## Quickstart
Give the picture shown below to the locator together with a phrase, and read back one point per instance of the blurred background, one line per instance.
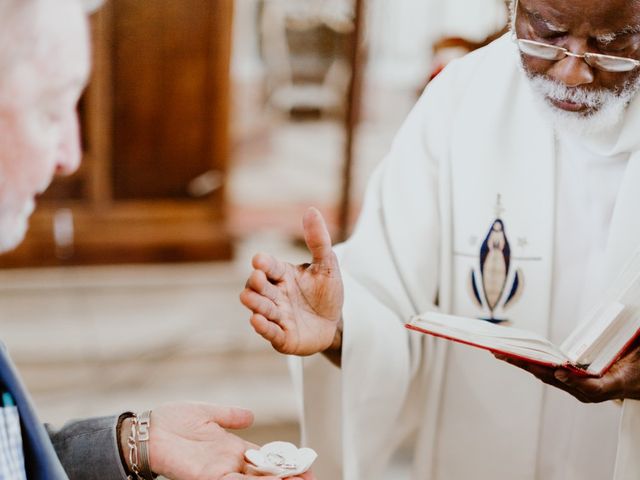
(209, 127)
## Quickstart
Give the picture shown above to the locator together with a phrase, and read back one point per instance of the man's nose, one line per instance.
(69, 150)
(573, 71)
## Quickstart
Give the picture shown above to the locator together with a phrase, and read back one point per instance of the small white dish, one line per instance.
(280, 459)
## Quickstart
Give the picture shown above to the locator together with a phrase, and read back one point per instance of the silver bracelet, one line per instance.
(138, 443)
(144, 427)
(133, 449)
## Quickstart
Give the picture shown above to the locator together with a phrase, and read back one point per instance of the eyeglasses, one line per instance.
(607, 63)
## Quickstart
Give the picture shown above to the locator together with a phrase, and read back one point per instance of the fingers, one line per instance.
(270, 331)
(597, 389)
(260, 304)
(306, 476)
(249, 476)
(542, 373)
(545, 374)
(587, 390)
(272, 267)
(241, 476)
(259, 283)
(316, 236)
(229, 417)
(259, 296)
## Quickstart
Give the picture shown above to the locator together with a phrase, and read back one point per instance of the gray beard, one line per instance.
(13, 226)
(608, 107)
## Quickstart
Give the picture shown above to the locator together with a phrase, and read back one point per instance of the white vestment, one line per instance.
(587, 185)
(474, 149)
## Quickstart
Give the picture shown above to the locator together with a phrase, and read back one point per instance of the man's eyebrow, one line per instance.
(610, 37)
(547, 23)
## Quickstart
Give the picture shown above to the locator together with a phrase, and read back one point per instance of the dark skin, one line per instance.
(620, 382)
(581, 26)
(298, 308)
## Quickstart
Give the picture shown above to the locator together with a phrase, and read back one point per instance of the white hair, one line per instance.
(17, 39)
(20, 23)
(8, 6)
(91, 6)
(512, 14)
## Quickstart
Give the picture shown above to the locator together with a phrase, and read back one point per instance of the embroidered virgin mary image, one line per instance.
(492, 287)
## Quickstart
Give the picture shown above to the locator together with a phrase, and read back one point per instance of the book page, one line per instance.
(497, 338)
(606, 330)
(616, 342)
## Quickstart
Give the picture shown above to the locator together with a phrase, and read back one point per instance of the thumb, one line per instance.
(229, 417)
(316, 236)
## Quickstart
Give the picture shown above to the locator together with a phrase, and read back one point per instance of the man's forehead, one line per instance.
(610, 16)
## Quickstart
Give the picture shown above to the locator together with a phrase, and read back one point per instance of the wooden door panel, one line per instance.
(163, 99)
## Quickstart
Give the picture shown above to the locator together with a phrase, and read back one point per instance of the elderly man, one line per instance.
(44, 66)
(537, 134)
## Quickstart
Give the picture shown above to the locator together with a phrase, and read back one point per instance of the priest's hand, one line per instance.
(621, 381)
(188, 441)
(297, 308)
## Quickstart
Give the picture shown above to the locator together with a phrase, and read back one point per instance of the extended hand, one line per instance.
(621, 381)
(297, 308)
(188, 441)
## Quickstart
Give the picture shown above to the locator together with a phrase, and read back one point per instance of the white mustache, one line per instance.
(581, 96)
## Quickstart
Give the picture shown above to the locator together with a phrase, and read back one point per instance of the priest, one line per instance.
(510, 195)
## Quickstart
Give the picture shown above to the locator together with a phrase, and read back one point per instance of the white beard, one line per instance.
(14, 225)
(608, 106)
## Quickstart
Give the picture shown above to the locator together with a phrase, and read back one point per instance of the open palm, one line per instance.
(189, 441)
(297, 307)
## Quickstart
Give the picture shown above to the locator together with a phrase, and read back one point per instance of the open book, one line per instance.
(590, 349)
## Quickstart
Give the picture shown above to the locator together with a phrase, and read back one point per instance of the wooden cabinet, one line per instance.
(156, 138)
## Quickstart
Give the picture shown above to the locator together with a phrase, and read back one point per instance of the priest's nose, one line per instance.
(572, 72)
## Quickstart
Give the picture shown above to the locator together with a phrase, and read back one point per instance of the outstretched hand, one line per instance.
(188, 441)
(621, 381)
(297, 308)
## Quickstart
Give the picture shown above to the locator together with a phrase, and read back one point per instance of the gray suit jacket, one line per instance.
(81, 450)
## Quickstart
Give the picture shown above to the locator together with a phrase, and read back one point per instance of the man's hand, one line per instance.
(298, 308)
(621, 381)
(188, 441)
